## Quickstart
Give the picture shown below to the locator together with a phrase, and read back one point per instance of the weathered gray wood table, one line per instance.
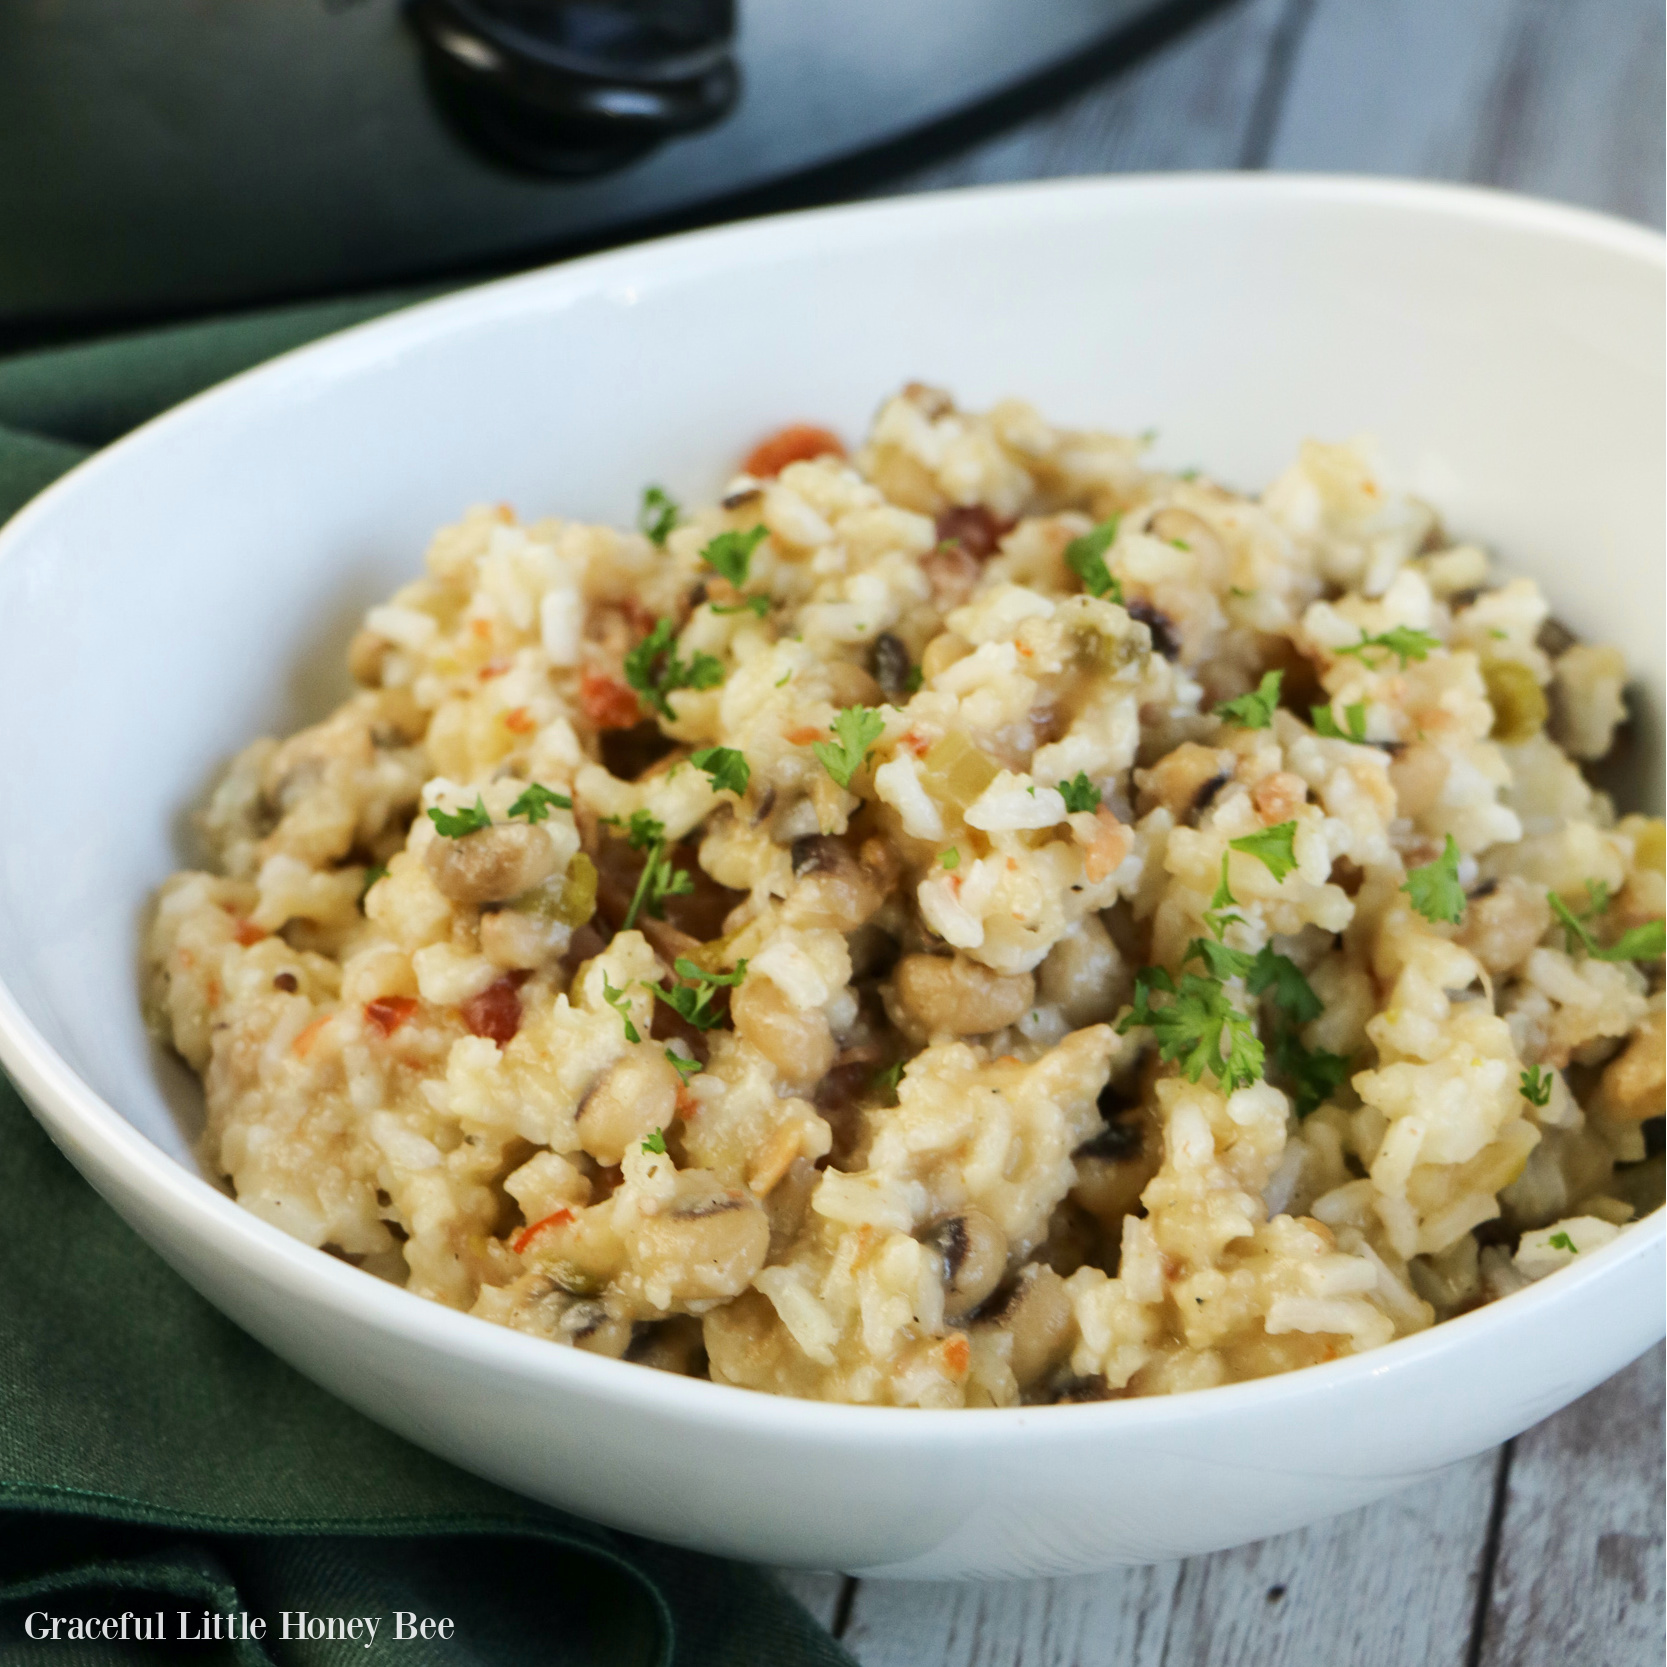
(1547, 1552)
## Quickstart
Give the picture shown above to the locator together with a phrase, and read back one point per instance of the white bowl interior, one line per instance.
(194, 587)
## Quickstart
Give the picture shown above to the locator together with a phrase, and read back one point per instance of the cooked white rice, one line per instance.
(421, 997)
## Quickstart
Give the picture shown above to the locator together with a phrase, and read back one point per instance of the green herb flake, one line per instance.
(655, 1142)
(857, 728)
(654, 670)
(684, 1067)
(461, 824)
(1255, 710)
(757, 606)
(616, 1000)
(1325, 723)
(1597, 899)
(1313, 1074)
(950, 859)
(1536, 1086)
(728, 768)
(730, 554)
(1079, 794)
(692, 999)
(1199, 1029)
(888, 1079)
(1642, 943)
(1561, 1241)
(372, 875)
(1274, 848)
(660, 512)
(1086, 557)
(536, 802)
(1434, 888)
(1405, 643)
(1218, 917)
(660, 877)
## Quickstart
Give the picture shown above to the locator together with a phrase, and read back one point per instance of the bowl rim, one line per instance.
(99, 1139)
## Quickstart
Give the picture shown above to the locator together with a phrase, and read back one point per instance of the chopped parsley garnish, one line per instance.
(1265, 970)
(1086, 557)
(1597, 899)
(1434, 888)
(1255, 710)
(888, 1078)
(372, 875)
(1536, 1086)
(1314, 1074)
(660, 512)
(1405, 643)
(950, 859)
(1079, 793)
(1274, 848)
(535, 803)
(728, 768)
(693, 998)
(1325, 723)
(1642, 943)
(1199, 1030)
(1561, 1241)
(684, 1067)
(1218, 917)
(653, 669)
(730, 554)
(758, 606)
(857, 728)
(655, 1142)
(616, 1000)
(660, 877)
(458, 825)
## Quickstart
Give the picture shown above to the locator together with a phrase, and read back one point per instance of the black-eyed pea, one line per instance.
(972, 1253)
(1502, 925)
(1084, 975)
(521, 941)
(834, 889)
(941, 995)
(634, 1096)
(589, 1326)
(1418, 774)
(1185, 780)
(1633, 1087)
(796, 1041)
(850, 685)
(365, 655)
(491, 865)
(707, 1243)
(1037, 1315)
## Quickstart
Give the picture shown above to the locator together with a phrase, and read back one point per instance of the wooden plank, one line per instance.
(1394, 1585)
(1189, 105)
(819, 1593)
(1578, 1576)
(1390, 1586)
(1537, 95)
(1090, 1621)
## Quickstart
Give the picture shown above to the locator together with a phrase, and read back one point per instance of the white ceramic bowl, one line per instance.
(178, 595)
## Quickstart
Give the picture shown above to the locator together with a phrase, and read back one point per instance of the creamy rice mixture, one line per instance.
(978, 922)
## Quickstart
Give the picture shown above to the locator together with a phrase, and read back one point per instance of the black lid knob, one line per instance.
(576, 86)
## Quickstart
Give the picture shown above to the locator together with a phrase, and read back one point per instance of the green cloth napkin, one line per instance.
(155, 1460)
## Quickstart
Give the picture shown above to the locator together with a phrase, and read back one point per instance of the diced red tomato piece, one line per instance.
(797, 443)
(607, 703)
(496, 1011)
(388, 1013)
